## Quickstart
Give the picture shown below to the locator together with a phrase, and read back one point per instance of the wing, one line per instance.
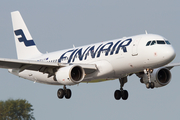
(44, 67)
(170, 66)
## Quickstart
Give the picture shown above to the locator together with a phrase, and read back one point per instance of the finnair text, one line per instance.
(109, 48)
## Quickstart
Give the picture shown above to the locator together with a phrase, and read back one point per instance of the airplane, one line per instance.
(146, 55)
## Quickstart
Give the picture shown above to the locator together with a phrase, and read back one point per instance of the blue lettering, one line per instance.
(91, 50)
(80, 55)
(71, 55)
(124, 46)
(63, 56)
(27, 43)
(101, 48)
(106, 50)
(114, 47)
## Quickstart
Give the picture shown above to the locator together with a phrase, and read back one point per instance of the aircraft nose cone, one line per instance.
(169, 54)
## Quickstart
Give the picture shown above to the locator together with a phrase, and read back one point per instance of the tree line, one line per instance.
(19, 109)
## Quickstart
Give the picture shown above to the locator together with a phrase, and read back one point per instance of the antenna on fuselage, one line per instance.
(74, 46)
(146, 31)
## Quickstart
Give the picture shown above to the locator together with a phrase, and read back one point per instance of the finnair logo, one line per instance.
(95, 51)
(27, 43)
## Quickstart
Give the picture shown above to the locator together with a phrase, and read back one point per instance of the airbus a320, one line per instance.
(146, 55)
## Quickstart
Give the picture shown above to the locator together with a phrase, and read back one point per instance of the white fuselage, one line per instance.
(114, 59)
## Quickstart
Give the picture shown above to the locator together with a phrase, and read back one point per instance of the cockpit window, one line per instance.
(153, 42)
(148, 43)
(160, 42)
(167, 42)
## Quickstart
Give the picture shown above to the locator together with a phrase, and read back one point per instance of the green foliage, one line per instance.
(16, 110)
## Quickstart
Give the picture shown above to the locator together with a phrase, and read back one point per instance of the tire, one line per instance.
(148, 85)
(152, 85)
(117, 94)
(68, 94)
(141, 80)
(124, 94)
(60, 93)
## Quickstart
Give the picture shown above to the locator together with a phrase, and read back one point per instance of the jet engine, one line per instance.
(70, 75)
(160, 77)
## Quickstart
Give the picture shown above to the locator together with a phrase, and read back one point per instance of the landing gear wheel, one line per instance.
(60, 93)
(68, 93)
(64, 92)
(152, 85)
(141, 80)
(117, 94)
(124, 94)
(148, 85)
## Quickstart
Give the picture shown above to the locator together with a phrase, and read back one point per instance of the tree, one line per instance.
(16, 110)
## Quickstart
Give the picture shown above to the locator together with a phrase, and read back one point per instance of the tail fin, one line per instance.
(25, 45)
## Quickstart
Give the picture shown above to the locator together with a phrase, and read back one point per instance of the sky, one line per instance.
(58, 24)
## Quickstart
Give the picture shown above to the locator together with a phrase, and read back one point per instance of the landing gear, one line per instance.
(148, 73)
(118, 94)
(150, 85)
(64, 92)
(60, 93)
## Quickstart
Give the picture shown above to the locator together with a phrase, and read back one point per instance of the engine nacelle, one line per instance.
(160, 77)
(70, 75)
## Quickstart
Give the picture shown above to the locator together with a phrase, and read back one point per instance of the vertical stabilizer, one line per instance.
(25, 46)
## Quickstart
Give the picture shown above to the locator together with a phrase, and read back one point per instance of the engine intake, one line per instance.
(70, 75)
(160, 77)
(76, 73)
(164, 76)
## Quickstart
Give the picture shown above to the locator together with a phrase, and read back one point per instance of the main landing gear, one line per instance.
(64, 92)
(148, 73)
(118, 94)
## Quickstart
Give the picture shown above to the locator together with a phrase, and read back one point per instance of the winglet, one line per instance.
(25, 45)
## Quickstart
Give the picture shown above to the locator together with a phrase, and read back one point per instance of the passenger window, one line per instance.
(160, 42)
(167, 42)
(148, 43)
(153, 42)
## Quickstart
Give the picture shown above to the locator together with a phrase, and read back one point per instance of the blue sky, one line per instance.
(56, 25)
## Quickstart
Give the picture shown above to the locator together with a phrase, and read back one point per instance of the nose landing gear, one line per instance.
(148, 73)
